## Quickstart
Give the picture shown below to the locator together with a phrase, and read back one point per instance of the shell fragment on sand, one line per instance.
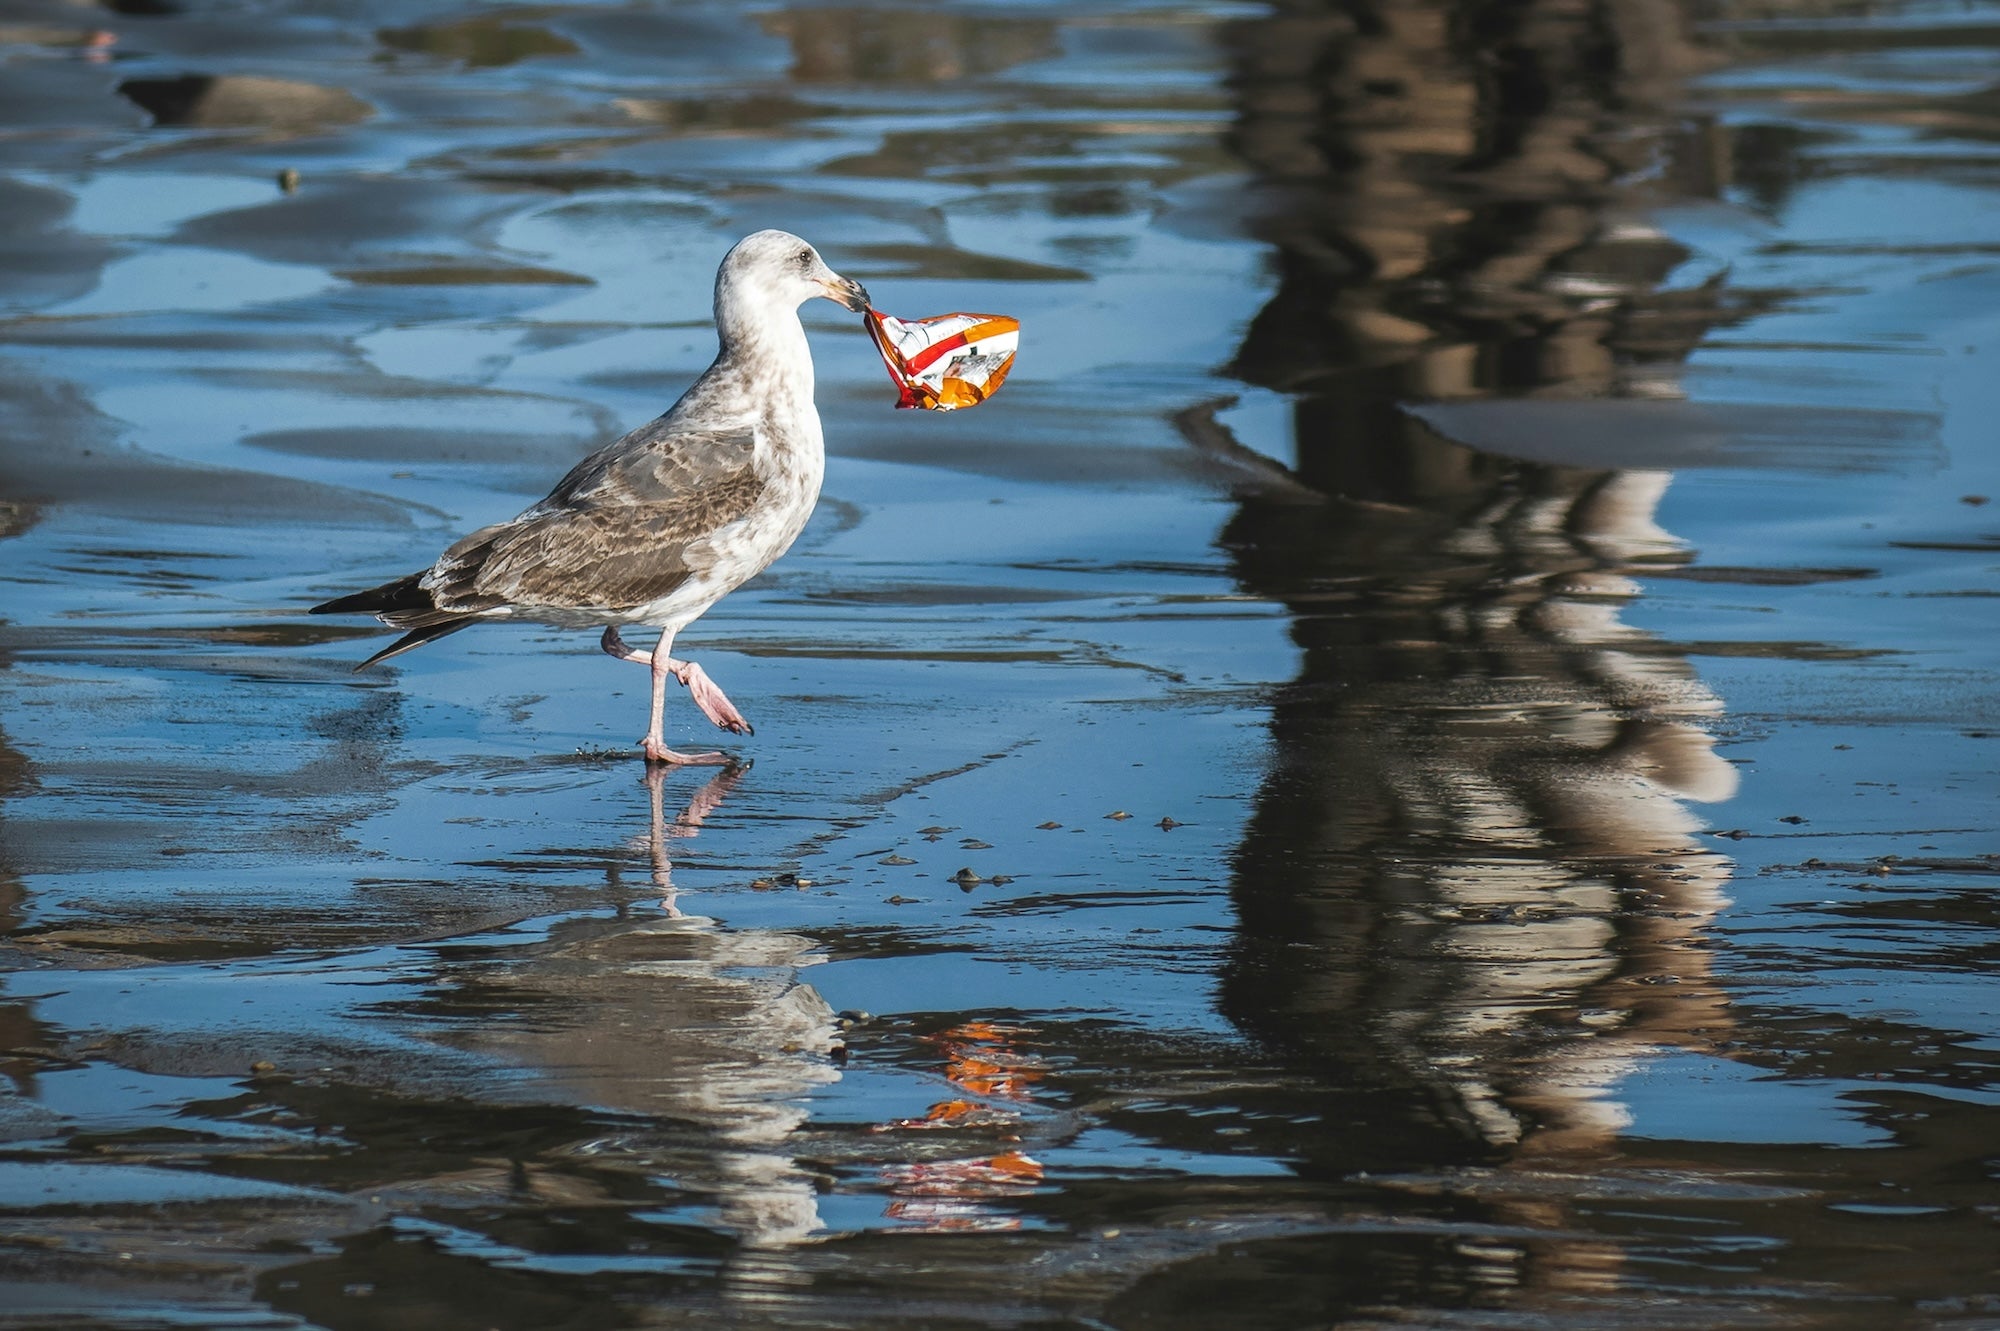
(946, 362)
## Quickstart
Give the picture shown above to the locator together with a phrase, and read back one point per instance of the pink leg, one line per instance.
(714, 704)
(708, 696)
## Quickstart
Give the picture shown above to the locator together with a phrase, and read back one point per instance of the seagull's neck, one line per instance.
(771, 351)
(764, 342)
(764, 371)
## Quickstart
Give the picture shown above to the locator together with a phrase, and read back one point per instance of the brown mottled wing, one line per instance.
(626, 526)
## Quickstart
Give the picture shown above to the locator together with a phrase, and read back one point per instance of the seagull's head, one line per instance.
(777, 270)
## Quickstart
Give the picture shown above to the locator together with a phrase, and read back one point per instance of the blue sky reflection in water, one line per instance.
(1430, 761)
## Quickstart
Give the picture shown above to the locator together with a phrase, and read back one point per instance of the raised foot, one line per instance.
(714, 704)
(658, 754)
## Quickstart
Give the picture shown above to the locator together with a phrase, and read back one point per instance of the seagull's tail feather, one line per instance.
(418, 637)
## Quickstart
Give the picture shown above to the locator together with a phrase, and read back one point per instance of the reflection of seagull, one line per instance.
(659, 526)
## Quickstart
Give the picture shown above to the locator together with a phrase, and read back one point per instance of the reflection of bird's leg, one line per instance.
(702, 804)
(705, 800)
(707, 696)
(656, 841)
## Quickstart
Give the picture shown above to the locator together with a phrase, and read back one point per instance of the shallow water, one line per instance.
(1487, 544)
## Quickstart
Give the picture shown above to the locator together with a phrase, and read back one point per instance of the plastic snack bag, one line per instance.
(946, 362)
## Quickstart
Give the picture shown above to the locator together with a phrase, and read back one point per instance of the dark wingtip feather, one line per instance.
(417, 638)
(402, 594)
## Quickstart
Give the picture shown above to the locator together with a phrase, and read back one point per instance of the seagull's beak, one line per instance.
(849, 293)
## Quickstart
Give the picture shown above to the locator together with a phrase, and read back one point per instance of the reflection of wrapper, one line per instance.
(951, 361)
(967, 1194)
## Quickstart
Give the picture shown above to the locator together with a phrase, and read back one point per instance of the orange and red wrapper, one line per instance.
(948, 361)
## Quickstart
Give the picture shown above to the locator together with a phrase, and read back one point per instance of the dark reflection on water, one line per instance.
(1347, 840)
(1471, 886)
(1472, 897)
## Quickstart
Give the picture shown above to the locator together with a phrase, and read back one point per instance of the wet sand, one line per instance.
(1429, 761)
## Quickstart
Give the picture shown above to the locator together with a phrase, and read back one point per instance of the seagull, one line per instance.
(657, 527)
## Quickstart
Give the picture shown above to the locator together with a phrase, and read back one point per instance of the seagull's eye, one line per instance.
(803, 258)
